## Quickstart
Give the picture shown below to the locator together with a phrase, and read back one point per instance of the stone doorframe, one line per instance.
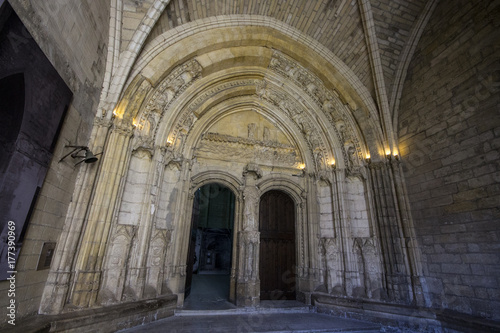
(233, 184)
(244, 280)
(306, 231)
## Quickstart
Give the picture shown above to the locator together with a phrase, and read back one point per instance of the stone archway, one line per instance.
(256, 126)
(210, 253)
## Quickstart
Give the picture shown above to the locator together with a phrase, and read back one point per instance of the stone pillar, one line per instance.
(160, 236)
(348, 264)
(89, 262)
(393, 223)
(137, 266)
(175, 265)
(419, 296)
(58, 281)
(248, 282)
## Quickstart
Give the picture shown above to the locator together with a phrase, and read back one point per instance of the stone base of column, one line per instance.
(248, 294)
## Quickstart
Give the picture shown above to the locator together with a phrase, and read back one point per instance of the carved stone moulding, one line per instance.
(167, 91)
(337, 112)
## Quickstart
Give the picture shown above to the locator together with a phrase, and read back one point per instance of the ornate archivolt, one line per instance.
(329, 101)
(160, 99)
(305, 109)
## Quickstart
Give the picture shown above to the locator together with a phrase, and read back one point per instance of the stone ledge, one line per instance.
(402, 316)
(104, 319)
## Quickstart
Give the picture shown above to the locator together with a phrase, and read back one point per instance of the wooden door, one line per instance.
(277, 246)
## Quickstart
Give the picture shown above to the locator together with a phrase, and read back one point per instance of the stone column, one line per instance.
(58, 282)
(394, 249)
(348, 264)
(175, 265)
(88, 264)
(137, 266)
(248, 282)
(419, 296)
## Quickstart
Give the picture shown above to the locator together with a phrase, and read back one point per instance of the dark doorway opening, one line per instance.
(277, 246)
(210, 249)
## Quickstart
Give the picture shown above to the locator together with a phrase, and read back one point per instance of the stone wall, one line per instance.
(73, 37)
(449, 130)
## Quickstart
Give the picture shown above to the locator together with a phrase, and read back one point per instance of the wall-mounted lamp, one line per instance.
(88, 156)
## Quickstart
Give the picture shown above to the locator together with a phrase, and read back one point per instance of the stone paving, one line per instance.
(256, 322)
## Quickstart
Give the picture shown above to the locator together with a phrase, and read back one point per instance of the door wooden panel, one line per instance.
(277, 246)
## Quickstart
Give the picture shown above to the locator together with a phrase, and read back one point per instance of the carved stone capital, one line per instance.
(122, 128)
(252, 169)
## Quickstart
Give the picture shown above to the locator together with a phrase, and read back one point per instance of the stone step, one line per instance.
(263, 321)
(265, 307)
(181, 312)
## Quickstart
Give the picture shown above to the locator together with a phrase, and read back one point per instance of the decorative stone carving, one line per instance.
(251, 197)
(370, 267)
(294, 111)
(160, 242)
(220, 146)
(332, 255)
(142, 144)
(116, 264)
(174, 84)
(328, 101)
(248, 284)
(252, 131)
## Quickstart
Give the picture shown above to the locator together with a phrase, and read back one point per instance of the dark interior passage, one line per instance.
(210, 251)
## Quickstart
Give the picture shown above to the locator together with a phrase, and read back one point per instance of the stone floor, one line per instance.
(255, 322)
(206, 310)
(209, 291)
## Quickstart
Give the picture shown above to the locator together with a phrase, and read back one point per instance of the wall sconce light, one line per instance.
(88, 156)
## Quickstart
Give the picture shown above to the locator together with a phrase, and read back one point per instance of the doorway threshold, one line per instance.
(285, 306)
